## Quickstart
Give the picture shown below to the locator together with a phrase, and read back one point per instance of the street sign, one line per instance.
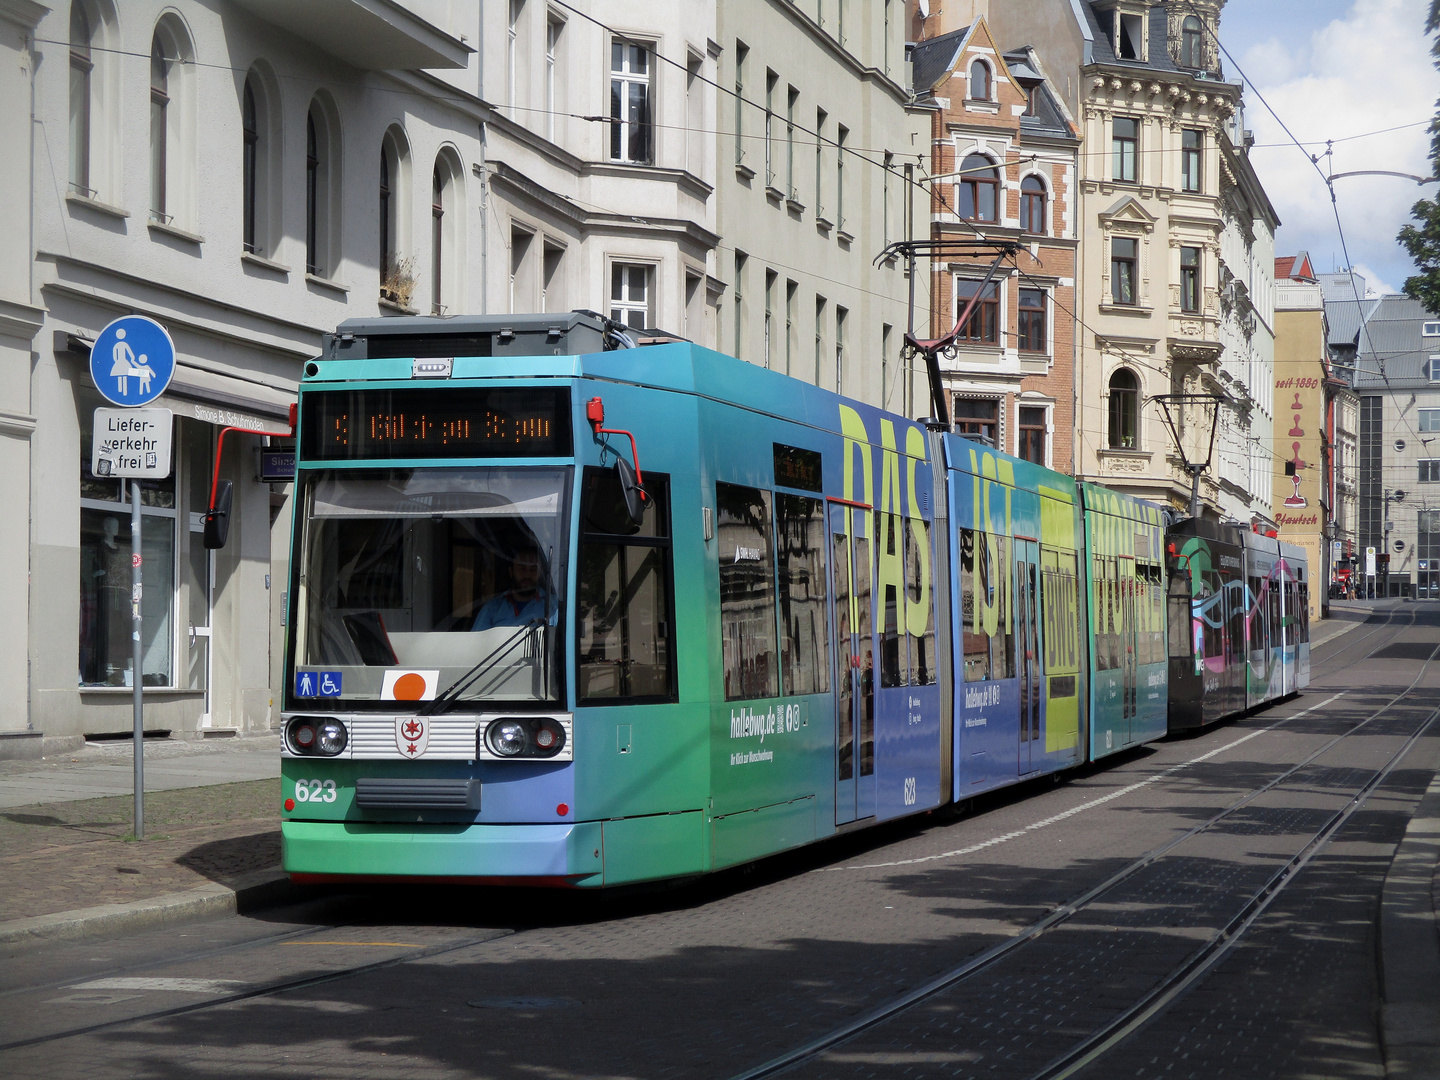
(277, 466)
(1369, 562)
(132, 443)
(132, 361)
(1336, 551)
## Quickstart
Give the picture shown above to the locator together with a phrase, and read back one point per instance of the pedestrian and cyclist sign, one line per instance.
(132, 361)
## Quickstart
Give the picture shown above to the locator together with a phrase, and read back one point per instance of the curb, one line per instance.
(257, 889)
(1410, 948)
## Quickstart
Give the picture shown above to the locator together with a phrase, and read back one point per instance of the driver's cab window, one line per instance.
(414, 579)
(624, 596)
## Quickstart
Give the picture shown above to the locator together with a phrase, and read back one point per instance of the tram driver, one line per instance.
(525, 603)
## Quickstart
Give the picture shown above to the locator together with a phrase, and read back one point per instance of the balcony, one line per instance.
(373, 35)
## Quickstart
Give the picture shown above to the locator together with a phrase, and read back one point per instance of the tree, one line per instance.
(1422, 241)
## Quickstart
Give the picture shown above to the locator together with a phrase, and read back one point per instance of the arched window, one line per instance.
(82, 66)
(159, 126)
(1124, 410)
(979, 81)
(322, 190)
(437, 240)
(260, 163)
(1190, 40)
(172, 106)
(979, 189)
(397, 269)
(446, 234)
(250, 127)
(1032, 205)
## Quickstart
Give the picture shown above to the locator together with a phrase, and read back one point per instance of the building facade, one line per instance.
(1303, 451)
(1176, 249)
(1003, 169)
(251, 172)
(818, 171)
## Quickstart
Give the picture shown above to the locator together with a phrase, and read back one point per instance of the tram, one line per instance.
(1239, 627)
(564, 611)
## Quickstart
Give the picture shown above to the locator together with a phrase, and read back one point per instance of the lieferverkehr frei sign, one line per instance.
(132, 443)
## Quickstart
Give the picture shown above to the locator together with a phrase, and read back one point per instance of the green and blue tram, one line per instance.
(565, 611)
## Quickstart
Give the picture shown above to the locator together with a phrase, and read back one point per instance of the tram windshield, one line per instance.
(412, 580)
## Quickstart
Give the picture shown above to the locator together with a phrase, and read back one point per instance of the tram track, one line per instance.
(1085, 1051)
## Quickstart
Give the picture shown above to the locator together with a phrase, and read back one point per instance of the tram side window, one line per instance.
(1235, 625)
(804, 633)
(1060, 598)
(624, 648)
(889, 530)
(1181, 646)
(975, 586)
(1302, 612)
(1272, 615)
(1212, 615)
(922, 637)
(1257, 624)
(1002, 645)
(1156, 578)
(747, 592)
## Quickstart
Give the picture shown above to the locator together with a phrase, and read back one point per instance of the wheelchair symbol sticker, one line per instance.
(330, 683)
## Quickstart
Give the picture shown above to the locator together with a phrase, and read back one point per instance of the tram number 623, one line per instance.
(318, 790)
(910, 791)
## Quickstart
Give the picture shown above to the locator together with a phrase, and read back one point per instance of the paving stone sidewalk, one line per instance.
(62, 856)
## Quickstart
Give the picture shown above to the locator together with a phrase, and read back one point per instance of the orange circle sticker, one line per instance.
(409, 687)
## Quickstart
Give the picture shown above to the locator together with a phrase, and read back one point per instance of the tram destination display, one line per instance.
(436, 422)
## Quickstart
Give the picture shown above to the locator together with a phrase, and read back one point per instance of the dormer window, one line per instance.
(979, 81)
(1127, 31)
(1191, 37)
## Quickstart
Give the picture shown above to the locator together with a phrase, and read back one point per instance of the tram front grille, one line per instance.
(376, 792)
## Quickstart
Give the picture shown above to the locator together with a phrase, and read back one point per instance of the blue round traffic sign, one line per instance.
(132, 361)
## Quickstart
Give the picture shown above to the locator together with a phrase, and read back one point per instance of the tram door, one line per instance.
(850, 615)
(1027, 648)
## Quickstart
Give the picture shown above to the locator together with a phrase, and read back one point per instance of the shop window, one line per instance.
(106, 647)
(747, 592)
(624, 647)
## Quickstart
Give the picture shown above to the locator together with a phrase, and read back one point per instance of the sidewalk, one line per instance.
(212, 838)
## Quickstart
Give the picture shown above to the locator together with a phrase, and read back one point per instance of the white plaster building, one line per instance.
(252, 172)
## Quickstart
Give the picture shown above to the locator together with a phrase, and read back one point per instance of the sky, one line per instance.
(1337, 70)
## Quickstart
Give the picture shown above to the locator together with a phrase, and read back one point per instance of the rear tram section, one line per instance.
(1239, 626)
(568, 613)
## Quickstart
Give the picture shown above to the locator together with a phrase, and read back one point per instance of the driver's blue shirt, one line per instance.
(504, 610)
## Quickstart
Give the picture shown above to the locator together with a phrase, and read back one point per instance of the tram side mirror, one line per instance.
(217, 518)
(632, 492)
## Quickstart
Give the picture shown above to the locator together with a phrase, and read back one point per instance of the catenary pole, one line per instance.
(137, 677)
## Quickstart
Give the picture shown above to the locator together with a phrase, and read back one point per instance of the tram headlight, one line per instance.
(507, 737)
(331, 738)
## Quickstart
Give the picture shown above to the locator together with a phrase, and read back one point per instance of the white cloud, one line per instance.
(1368, 70)
(1375, 285)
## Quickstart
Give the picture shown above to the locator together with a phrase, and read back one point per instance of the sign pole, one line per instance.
(137, 677)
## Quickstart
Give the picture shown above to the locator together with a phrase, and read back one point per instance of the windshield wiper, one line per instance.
(451, 694)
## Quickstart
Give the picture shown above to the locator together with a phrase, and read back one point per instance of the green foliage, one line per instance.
(1422, 240)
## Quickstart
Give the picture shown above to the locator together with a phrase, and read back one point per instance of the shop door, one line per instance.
(1027, 648)
(850, 616)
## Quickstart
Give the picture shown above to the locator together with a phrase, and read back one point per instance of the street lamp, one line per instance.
(1176, 421)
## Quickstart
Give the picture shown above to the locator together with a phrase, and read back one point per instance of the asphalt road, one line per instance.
(719, 977)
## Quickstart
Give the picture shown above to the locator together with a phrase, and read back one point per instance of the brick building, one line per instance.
(1003, 154)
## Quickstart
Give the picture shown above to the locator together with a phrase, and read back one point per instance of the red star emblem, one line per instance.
(412, 729)
(411, 748)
